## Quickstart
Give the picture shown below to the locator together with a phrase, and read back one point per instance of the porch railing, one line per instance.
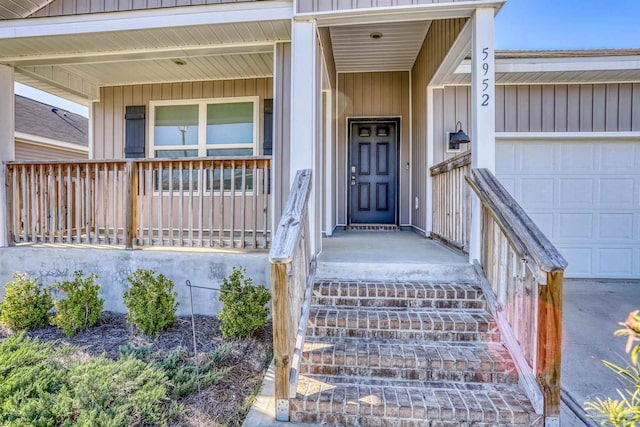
(292, 274)
(525, 273)
(201, 202)
(452, 201)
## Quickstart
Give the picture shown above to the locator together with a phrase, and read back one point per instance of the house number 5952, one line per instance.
(485, 82)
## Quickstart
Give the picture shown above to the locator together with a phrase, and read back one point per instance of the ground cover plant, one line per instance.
(114, 375)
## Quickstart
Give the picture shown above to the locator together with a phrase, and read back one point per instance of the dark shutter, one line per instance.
(134, 136)
(268, 127)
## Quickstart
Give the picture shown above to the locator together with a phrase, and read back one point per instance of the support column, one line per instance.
(304, 111)
(483, 111)
(7, 142)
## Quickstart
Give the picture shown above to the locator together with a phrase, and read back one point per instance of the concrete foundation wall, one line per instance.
(53, 264)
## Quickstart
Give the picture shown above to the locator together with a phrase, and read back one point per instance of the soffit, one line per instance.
(12, 9)
(355, 51)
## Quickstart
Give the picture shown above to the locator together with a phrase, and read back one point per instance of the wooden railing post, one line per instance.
(7, 238)
(549, 345)
(282, 354)
(130, 202)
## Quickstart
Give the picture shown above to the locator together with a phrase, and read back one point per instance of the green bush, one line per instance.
(26, 304)
(151, 302)
(81, 308)
(243, 305)
(623, 412)
(39, 388)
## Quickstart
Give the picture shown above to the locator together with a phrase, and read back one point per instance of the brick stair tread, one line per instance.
(398, 294)
(424, 360)
(440, 325)
(361, 400)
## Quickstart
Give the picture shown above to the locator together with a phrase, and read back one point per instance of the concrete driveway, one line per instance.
(592, 310)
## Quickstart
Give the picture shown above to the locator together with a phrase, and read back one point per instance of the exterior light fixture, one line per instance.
(178, 61)
(458, 137)
(375, 35)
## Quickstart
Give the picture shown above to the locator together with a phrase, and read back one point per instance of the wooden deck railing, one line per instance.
(203, 202)
(525, 274)
(292, 271)
(452, 201)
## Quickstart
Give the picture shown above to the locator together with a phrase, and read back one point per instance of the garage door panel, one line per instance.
(575, 226)
(584, 195)
(537, 192)
(576, 157)
(616, 227)
(616, 261)
(616, 156)
(535, 160)
(579, 259)
(576, 191)
(617, 191)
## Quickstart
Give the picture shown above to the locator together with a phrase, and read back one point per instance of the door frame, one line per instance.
(347, 182)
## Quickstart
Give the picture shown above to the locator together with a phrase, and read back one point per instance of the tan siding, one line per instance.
(26, 151)
(543, 108)
(367, 95)
(109, 130)
(439, 39)
(310, 6)
(78, 7)
(282, 127)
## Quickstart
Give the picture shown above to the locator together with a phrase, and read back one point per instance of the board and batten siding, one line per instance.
(108, 114)
(79, 7)
(372, 95)
(439, 39)
(311, 6)
(30, 151)
(613, 107)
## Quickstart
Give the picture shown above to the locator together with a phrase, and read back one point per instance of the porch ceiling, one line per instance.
(11, 9)
(355, 50)
(75, 66)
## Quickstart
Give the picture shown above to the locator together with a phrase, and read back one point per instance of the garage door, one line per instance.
(585, 195)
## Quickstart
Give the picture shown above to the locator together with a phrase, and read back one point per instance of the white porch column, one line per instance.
(304, 110)
(483, 110)
(7, 142)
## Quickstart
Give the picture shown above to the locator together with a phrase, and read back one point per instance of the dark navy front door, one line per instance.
(373, 172)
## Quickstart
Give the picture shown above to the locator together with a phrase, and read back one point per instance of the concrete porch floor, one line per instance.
(390, 255)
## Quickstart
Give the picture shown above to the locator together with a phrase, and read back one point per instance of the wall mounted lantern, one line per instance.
(458, 137)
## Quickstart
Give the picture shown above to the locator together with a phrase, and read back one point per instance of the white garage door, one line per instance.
(585, 195)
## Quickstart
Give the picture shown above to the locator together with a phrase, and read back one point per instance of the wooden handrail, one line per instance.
(518, 226)
(522, 275)
(204, 202)
(291, 281)
(452, 201)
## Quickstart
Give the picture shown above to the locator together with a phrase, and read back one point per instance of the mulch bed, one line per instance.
(221, 404)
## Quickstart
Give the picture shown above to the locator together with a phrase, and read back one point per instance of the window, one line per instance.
(222, 127)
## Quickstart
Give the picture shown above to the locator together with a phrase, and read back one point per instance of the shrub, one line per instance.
(151, 302)
(81, 308)
(243, 305)
(38, 387)
(25, 304)
(623, 412)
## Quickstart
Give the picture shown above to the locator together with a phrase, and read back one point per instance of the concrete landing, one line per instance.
(390, 255)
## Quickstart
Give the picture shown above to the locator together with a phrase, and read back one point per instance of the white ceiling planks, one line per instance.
(13, 9)
(356, 51)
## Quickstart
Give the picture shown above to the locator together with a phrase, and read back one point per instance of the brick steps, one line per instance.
(406, 354)
(442, 361)
(398, 295)
(382, 402)
(405, 324)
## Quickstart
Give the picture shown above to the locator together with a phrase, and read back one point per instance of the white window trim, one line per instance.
(202, 124)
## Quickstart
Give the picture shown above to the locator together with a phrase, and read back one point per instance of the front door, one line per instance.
(373, 172)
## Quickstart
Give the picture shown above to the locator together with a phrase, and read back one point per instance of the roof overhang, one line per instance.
(561, 70)
(422, 12)
(66, 56)
(50, 142)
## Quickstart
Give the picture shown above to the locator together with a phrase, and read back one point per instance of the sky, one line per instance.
(524, 25)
